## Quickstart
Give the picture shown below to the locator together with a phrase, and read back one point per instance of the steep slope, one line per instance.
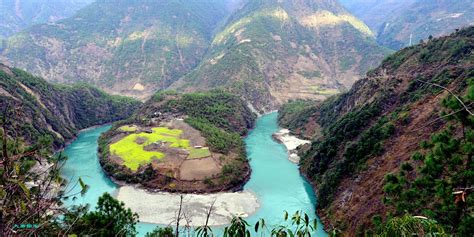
(125, 47)
(271, 51)
(395, 22)
(17, 15)
(35, 108)
(379, 124)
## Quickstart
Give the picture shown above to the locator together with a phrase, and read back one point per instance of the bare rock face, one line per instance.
(292, 143)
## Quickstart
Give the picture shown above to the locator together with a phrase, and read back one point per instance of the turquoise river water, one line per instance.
(275, 180)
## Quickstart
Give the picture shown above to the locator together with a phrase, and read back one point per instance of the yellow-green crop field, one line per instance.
(199, 153)
(134, 155)
(128, 128)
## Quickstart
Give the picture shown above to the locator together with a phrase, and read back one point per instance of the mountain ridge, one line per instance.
(269, 46)
(131, 50)
(410, 21)
(127, 47)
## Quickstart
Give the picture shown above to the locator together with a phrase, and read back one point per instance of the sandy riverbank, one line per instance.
(291, 143)
(161, 207)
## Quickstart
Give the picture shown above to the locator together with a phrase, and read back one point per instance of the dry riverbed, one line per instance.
(161, 207)
(291, 143)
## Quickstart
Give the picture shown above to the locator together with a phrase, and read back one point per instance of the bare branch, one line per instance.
(452, 93)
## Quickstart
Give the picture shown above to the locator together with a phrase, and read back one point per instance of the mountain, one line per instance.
(125, 47)
(17, 15)
(398, 142)
(137, 47)
(270, 51)
(395, 22)
(374, 12)
(35, 108)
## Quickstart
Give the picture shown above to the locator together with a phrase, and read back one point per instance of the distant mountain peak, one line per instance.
(271, 51)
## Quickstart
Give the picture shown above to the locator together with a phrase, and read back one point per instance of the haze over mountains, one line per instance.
(17, 15)
(395, 22)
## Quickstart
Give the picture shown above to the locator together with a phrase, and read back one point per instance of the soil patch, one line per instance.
(199, 169)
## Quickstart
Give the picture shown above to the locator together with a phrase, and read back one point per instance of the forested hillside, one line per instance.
(270, 51)
(32, 108)
(400, 141)
(126, 47)
(214, 121)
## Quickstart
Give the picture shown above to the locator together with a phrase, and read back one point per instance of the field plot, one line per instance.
(131, 149)
(128, 128)
(198, 153)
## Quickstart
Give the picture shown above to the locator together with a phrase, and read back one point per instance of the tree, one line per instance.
(110, 219)
(411, 226)
(161, 232)
(440, 187)
(27, 199)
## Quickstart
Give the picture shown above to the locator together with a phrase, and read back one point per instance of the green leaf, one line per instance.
(22, 186)
(84, 187)
(23, 206)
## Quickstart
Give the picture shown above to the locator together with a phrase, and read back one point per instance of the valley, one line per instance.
(261, 193)
(268, 52)
(364, 138)
(171, 118)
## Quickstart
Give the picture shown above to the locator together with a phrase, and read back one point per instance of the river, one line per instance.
(275, 180)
